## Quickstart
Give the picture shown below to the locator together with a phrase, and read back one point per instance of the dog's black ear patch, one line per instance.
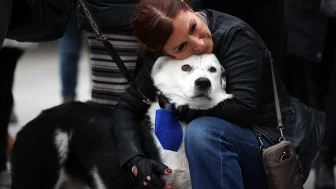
(223, 72)
(223, 77)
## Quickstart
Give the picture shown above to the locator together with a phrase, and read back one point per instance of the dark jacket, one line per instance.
(246, 61)
(111, 15)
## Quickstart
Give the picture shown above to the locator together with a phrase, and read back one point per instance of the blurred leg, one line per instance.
(8, 57)
(325, 178)
(69, 51)
(5, 16)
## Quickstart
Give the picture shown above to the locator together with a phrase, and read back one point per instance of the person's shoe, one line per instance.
(10, 144)
(5, 179)
(324, 173)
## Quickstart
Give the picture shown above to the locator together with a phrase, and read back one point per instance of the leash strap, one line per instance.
(111, 50)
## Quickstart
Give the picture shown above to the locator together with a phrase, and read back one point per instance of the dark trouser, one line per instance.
(5, 16)
(324, 173)
(8, 58)
(69, 53)
(305, 81)
(329, 62)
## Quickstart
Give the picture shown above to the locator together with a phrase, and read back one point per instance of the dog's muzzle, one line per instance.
(202, 83)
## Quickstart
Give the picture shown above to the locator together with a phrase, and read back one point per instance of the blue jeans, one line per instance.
(223, 155)
(69, 51)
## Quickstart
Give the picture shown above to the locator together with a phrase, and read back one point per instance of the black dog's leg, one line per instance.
(94, 146)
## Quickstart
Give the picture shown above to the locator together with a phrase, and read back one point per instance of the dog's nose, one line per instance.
(202, 83)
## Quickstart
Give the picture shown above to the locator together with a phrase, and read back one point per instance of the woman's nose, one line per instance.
(197, 43)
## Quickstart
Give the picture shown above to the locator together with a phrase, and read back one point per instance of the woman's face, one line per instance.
(190, 36)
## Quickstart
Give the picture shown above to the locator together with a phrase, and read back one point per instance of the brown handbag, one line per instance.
(281, 163)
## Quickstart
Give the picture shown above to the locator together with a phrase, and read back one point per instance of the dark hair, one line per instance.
(152, 23)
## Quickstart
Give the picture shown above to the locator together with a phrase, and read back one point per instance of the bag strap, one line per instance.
(111, 50)
(276, 100)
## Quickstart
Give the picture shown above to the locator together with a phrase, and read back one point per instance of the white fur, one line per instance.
(179, 87)
(62, 144)
(61, 179)
(97, 180)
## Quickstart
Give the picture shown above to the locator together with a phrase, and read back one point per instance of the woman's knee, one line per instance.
(206, 125)
(204, 129)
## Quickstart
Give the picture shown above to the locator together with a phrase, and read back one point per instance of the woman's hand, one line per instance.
(146, 170)
(164, 101)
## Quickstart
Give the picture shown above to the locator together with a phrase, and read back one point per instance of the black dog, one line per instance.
(69, 143)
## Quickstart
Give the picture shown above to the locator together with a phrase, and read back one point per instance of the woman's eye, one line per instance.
(181, 47)
(193, 26)
(212, 69)
(186, 68)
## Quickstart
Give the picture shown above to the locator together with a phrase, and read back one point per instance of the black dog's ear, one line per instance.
(223, 77)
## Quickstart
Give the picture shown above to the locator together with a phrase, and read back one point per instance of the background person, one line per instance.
(69, 53)
(10, 53)
(113, 18)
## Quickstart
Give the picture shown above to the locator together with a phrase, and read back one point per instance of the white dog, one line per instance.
(197, 82)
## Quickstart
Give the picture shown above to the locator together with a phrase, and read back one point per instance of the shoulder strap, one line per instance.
(276, 100)
(111, 50)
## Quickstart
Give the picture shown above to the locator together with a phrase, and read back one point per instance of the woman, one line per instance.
(221, 148)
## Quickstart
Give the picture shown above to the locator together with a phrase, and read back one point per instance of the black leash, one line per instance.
(111, 50)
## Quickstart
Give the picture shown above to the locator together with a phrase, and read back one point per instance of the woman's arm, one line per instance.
(130, 111)
(239, 54)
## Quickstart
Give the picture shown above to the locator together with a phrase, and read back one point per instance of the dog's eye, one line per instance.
(186, 68)
(212, 69)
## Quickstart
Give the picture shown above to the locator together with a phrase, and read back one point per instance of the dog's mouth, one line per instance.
(202, 95)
